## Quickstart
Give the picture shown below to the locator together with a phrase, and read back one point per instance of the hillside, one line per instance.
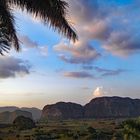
(36, 113)
(9, 117)
(62, 110)
(112, 107)
(102, 107)
(8, 108)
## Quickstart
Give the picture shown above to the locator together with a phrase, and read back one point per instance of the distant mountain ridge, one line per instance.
(8, 108)
(36, 113)
(9, 117)
(101, 107)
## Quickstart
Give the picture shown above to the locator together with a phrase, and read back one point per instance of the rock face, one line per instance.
(62, 110)
(102, 107)
(23, 123)
(9, 117)
(112, 107)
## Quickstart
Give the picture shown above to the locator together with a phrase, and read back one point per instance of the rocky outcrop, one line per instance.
(112, 107)
(23, 123)
(102, 107)
(9, 117)
(62, 110)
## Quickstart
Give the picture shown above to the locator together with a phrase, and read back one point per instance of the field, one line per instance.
(66, 130)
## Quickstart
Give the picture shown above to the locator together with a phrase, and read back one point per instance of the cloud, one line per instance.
(27, 42)
(114, 27)
(84, 11)
(89, 26)
(87, 67)
(113, 72)
(98, 29)
(98, 69)
(91, 19)
(11, 67)
(102, 91)
(81, 52)
(44, 51)
(109, 72)
(99, 73)
(98, 92)
(78, 74)
(103, 72)
(123, 43)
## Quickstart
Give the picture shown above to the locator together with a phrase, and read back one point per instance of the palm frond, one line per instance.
(52, 12)
(8, 35)
(4, 43)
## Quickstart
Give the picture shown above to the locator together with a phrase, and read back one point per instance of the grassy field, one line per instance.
(66, 130)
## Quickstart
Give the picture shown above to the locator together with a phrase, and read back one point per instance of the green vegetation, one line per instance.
(131, 129)
(113, 129)
(23, 123)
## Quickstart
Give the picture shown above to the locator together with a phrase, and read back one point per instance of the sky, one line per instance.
(49, 68)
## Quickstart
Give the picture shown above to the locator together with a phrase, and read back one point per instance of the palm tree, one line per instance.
(52, 12)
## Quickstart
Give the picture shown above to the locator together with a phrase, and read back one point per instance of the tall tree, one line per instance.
(52, 12)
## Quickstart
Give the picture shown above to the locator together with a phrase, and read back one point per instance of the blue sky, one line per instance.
(49, 68)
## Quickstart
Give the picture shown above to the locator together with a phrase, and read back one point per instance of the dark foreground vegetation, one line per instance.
(112, 129)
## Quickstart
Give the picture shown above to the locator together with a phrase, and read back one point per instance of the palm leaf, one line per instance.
(8, 35)
(52, 12)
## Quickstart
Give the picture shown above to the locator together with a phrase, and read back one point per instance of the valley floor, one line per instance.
(67, 130)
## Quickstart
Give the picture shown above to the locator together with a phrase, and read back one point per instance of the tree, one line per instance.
(131, 129)
(23, 123)
(52, 12)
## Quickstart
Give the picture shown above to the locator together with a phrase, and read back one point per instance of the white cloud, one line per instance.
(44, 50)
(122, 43)
(27, 42)
(114, 27)
(80, 52)
(98, 92)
